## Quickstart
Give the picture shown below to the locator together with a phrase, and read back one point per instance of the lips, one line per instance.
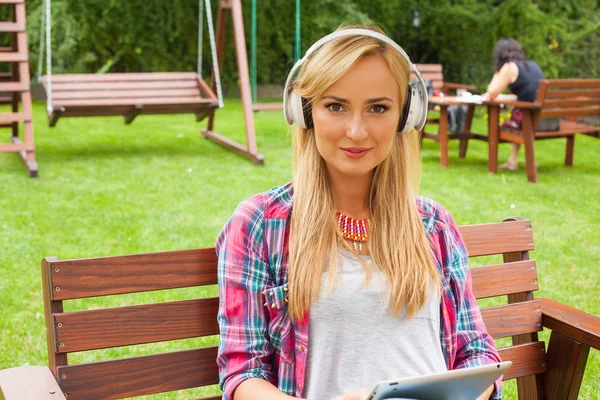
(355, 152)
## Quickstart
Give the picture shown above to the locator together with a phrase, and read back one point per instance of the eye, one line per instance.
(335, 107)
(379, 109)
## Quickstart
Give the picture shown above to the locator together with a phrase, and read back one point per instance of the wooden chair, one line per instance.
(553, 374)
(567, 99)
(434, 73)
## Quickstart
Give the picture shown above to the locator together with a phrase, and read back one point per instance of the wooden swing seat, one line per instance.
(129, 95)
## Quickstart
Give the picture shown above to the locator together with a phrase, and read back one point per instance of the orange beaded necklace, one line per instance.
(353, 229)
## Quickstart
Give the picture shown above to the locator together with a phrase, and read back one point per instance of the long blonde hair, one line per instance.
(397, 241)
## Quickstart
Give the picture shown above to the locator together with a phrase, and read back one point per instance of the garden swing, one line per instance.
(129, 94)
(233, 8)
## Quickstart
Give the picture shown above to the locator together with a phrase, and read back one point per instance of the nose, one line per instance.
(356, 129)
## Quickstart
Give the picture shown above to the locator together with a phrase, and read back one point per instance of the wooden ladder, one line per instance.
(17, 85)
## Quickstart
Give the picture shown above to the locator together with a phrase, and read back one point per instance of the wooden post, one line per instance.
(55, 359)
(528, 387)
(570, 150)
(564, 383)
(464, 143)
(528, 139)
(15, 78)
(493, 137)
(443, 135)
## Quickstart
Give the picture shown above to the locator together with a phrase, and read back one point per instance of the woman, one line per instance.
(522, 78)
(373, 263)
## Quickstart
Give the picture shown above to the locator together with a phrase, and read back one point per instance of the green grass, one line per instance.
(108, 189)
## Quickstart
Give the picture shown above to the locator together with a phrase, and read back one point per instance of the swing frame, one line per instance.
(133, 94)
(250, 151)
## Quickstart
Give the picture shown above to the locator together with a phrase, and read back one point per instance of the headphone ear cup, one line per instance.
(307, 113)
(295, 110)
(404, 119)
(414, 113)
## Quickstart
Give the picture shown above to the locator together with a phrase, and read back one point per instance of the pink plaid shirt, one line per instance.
(258, 339)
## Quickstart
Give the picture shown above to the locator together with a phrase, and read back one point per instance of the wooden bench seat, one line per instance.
(552, 374)
(128, 94)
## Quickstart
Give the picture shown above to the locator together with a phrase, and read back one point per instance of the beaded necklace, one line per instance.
(353, 229)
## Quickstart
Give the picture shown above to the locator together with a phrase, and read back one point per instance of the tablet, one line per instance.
(458, 384)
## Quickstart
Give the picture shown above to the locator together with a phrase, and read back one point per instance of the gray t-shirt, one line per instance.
(356, 343)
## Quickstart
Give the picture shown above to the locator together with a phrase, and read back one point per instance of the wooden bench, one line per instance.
(434, 73)
(553, 374)
(566, 99)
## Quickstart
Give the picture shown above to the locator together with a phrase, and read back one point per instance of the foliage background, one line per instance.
(563, 36)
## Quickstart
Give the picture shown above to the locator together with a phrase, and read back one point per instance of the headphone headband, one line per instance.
(289, 102)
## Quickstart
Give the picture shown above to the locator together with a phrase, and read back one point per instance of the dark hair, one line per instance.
(507, 50)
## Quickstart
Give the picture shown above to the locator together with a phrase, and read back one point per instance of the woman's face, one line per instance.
(356, 118)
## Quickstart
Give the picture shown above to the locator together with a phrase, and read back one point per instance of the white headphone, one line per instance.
(298, 109)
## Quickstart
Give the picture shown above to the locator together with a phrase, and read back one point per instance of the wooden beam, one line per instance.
(257, 159)
(267, 107)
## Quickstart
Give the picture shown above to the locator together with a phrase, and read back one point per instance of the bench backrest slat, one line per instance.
(490, 239)
(527, 359)
(114, 327)
(570, 93)
(124, 326)
(573, 83)
(569, 112)
(507, 278)
(513, 319)
(130, 274)
(572, 102)
(138, 376)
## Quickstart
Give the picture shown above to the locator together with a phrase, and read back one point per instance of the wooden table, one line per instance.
(443, 136)
(29, 383)
(493, 137)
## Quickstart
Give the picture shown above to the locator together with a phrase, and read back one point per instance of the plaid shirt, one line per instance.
(258, 339)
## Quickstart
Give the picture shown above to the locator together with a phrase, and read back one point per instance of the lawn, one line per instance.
(105, 188)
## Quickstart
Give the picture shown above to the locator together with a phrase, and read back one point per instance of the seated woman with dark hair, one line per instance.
(522, 77)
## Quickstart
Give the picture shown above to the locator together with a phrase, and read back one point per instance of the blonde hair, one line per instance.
(397, 241)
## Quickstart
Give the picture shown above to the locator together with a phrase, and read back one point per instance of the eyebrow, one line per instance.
(370, 101)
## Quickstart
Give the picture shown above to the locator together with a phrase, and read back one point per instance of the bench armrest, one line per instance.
(571, 322)
(454, 86)
(24, 383)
